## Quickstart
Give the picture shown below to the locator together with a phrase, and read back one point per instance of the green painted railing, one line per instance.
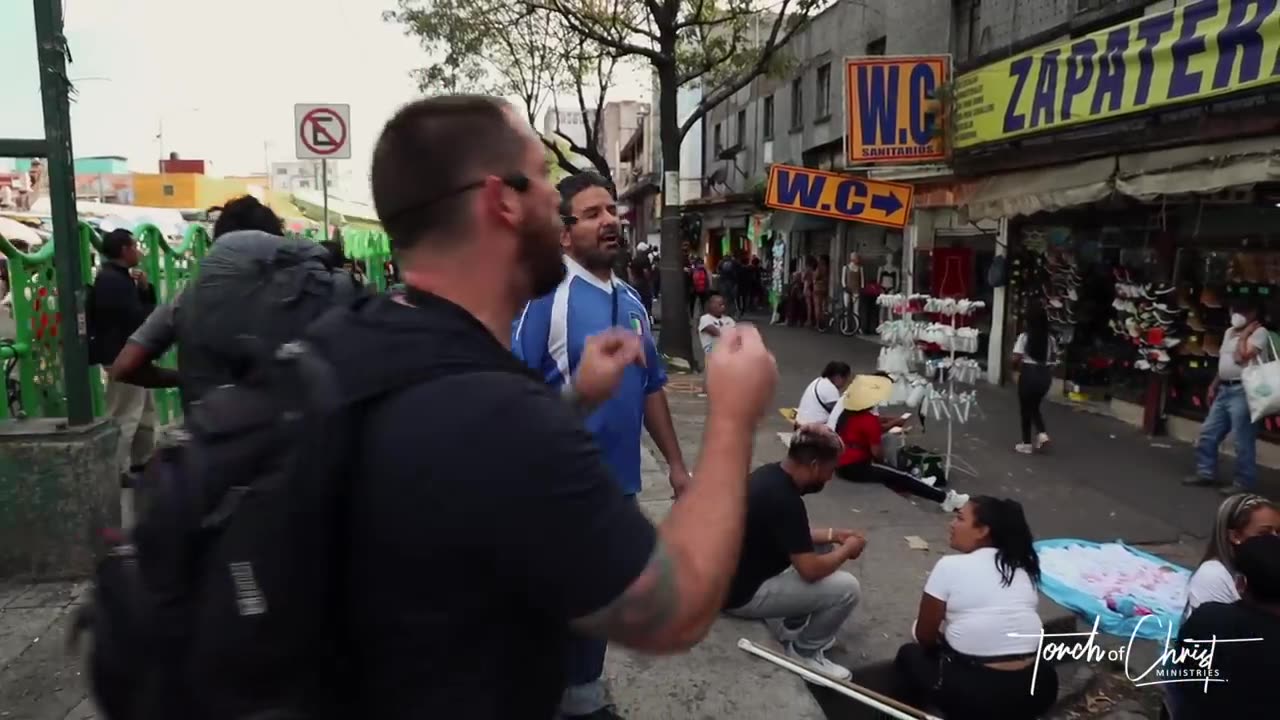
(35, 344)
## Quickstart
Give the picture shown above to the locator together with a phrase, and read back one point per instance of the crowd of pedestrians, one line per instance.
(481, 426)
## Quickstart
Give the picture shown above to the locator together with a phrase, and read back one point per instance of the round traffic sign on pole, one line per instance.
(323, 131)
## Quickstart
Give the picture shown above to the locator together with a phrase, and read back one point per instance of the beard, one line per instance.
(540, 255)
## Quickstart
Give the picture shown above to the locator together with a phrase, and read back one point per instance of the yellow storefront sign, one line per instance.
(1199, 50)
(887, 115)
(839, 197)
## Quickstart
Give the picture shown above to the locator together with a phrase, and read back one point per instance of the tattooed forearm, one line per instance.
(644, 609)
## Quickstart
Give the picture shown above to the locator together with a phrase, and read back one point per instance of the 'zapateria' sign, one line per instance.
(1199, 50)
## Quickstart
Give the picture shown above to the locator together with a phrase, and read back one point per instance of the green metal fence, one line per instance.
(34, 384)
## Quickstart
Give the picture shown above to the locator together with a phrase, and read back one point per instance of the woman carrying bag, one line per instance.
(1035, 352)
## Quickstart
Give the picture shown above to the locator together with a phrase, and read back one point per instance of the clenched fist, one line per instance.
(741, 374)
(605, 357)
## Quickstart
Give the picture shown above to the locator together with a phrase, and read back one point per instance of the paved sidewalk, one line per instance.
(40, 677)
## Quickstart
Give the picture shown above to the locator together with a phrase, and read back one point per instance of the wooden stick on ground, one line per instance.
(884, 704)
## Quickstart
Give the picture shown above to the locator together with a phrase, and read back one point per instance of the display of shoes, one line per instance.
(1212, 344)
(1194, 322)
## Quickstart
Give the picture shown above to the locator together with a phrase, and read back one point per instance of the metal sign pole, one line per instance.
(54, 87)
(324, 182)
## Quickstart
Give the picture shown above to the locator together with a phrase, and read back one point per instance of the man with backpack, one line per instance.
(393, 517)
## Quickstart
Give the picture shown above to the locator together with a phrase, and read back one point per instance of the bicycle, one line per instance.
(847, 315)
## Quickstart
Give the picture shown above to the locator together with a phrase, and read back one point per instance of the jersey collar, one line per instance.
(576, 270)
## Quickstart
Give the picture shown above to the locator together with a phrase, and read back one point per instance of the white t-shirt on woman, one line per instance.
(1211, 582)
(981, 611)
(1020, 348)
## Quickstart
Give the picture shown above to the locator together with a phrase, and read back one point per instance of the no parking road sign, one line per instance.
(322, 131)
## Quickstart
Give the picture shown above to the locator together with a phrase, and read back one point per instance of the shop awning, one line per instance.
(1199, 169)
(1033, 191)
(786, 222)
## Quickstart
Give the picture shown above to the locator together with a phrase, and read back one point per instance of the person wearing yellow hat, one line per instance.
(863, 458)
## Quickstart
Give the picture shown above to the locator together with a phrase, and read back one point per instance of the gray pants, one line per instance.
(821, 607)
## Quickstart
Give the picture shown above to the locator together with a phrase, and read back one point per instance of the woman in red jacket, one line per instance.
(863, 457)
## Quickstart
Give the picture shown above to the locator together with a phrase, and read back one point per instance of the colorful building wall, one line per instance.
(99, 165)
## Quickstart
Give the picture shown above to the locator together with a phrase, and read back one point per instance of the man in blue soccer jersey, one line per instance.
(549, 337)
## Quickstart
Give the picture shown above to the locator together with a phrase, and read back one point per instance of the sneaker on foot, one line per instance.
(1024, 448)
(1042, 441)
(1198, 481)
(1233, 489)
(954, 501)
(787, 636)
(819, 663)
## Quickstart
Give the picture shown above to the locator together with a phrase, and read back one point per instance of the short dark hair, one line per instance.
(835, 368)
(576, 183)
(114, 243)
(1258, 559)
(431, 149)
(808, 446)
(247, 213)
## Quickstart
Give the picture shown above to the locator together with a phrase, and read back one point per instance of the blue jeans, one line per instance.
(1228, 413)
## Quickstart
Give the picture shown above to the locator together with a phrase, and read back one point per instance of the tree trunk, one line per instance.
(676, 339)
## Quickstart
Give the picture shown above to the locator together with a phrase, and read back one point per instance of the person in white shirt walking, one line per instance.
(823, 394)
(1228, 408)
(712, 322)
(1035, 352)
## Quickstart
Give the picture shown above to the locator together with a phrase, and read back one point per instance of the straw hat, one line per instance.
(866, 391)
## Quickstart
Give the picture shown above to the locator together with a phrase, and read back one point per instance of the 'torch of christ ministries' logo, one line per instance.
(1187, 661)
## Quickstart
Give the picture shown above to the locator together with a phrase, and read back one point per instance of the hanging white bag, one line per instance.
(1261, 382)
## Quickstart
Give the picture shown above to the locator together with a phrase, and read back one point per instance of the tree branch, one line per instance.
(591, 31)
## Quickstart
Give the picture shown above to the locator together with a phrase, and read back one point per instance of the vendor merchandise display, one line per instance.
(921, 357)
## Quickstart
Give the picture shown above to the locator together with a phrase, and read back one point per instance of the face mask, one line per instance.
(1238, 321)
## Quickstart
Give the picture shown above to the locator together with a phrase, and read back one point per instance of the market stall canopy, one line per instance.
(312, 201)
(1199, 169)
(1032, 191)
(14, 231)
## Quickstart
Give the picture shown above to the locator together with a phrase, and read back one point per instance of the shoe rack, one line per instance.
(1208, 280)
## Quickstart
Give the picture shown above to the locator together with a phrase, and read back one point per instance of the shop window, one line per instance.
(824, 93)
(718, 141)
(742, 128)
(168, 190)
(797, 103)
(767, 120)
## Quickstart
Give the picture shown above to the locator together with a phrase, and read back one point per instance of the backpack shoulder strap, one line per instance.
(825, 405)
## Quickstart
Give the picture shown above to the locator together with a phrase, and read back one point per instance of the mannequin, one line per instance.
(888, 277)
(851, 278)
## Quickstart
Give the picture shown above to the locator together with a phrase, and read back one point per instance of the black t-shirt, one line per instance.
(641, 269)
(483, 521)
(1247, 667)
(777, 528)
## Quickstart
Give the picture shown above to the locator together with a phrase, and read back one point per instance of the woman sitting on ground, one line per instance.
(1239, 518)
(823, 394)
(977, 631)
(861, 430)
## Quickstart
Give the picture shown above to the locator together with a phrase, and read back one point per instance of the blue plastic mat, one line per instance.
(1122, 621)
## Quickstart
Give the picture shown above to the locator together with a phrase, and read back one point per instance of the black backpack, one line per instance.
(227, 600)
(253, 293)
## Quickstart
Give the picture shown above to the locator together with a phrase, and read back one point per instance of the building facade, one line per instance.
(1099, 146)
